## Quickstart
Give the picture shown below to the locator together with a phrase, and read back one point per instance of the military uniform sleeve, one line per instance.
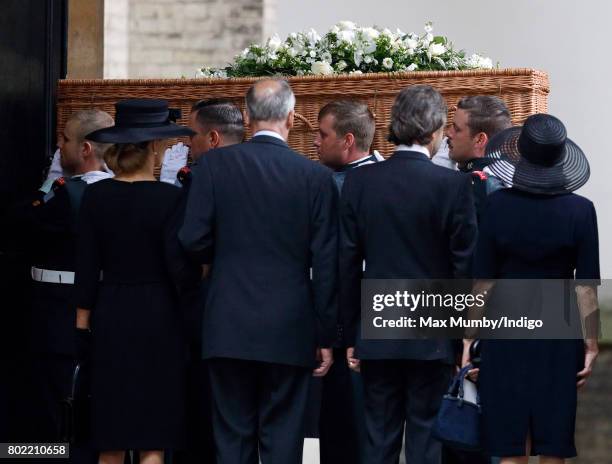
(196, 233)
(88, 264)
(324, 256)
(351, 264)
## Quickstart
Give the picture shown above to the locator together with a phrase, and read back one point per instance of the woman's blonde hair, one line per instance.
(127, 158)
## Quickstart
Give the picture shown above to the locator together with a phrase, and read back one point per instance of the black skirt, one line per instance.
(138, 369)
(529, 387)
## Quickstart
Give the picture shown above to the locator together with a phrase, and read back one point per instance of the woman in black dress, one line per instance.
(537, 229)
(128, 268)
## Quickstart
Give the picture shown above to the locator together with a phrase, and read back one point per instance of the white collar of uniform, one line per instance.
(92, 176)
(269, 133)
(415, 147)
(360, 159)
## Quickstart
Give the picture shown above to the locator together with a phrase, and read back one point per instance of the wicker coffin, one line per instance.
(525, 91)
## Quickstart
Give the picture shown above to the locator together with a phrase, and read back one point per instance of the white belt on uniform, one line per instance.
(52, 277)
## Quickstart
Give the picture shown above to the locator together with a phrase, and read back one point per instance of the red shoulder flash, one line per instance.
(480, 174)
(58, 183)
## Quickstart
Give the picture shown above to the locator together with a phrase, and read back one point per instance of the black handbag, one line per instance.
(458, 422)
(75, 409)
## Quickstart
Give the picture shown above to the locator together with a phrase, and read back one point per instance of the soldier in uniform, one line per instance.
(52, 216)
(346, 131)
(217, 123)
(477, 119)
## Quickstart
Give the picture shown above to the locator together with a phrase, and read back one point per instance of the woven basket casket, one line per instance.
(525, 91)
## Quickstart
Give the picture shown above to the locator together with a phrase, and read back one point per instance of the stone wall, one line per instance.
(171, 38)
(594, 419)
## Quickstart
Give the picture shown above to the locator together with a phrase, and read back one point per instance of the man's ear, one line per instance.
(290, 119)
(215, 138)
(86, 149)
(349, 140)
(481, 140)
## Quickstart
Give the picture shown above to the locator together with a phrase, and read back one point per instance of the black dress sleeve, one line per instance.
(587, 251)
(88, 264)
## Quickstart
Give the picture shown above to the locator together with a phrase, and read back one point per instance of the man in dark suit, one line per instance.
(263, 216)
(346, 132)
(408, 219)
(216, 123)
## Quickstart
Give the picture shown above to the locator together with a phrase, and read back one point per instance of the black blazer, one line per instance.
(263, 215)
(408, 219)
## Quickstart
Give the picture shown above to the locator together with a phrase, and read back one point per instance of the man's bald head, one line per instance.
(270, 100)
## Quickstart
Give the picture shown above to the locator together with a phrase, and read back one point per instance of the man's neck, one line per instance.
(353, 157)
(280, 129)
(86, 169)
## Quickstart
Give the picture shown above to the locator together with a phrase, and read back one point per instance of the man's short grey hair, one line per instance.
(417, 113)
(91, 120)
(272, 104)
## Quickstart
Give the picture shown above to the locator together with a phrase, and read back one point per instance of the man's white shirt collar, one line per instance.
(269, 134)
(360, 159)
(415, 147)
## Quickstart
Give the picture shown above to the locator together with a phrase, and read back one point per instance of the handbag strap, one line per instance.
(460, 378)
(75, 378)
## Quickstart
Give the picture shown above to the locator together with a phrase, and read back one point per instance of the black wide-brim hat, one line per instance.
(538, 157)
(140, 120)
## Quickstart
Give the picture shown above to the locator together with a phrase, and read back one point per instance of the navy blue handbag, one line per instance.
(458, 421)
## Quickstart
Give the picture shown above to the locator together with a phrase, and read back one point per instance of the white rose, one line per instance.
(274, 42)
(326, 56)
(341, 66)
(437, 49)
(370, 47)
(346, 26)
(312, 53)
(369, 33)
(411, 44)
(321, 68)
(479, 62)
(387, 63)
(346, 36)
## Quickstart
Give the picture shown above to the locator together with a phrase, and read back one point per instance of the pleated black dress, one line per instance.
(128, 235)
(529, 386)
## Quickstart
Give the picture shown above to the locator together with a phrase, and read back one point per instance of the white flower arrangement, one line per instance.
(348, 48)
